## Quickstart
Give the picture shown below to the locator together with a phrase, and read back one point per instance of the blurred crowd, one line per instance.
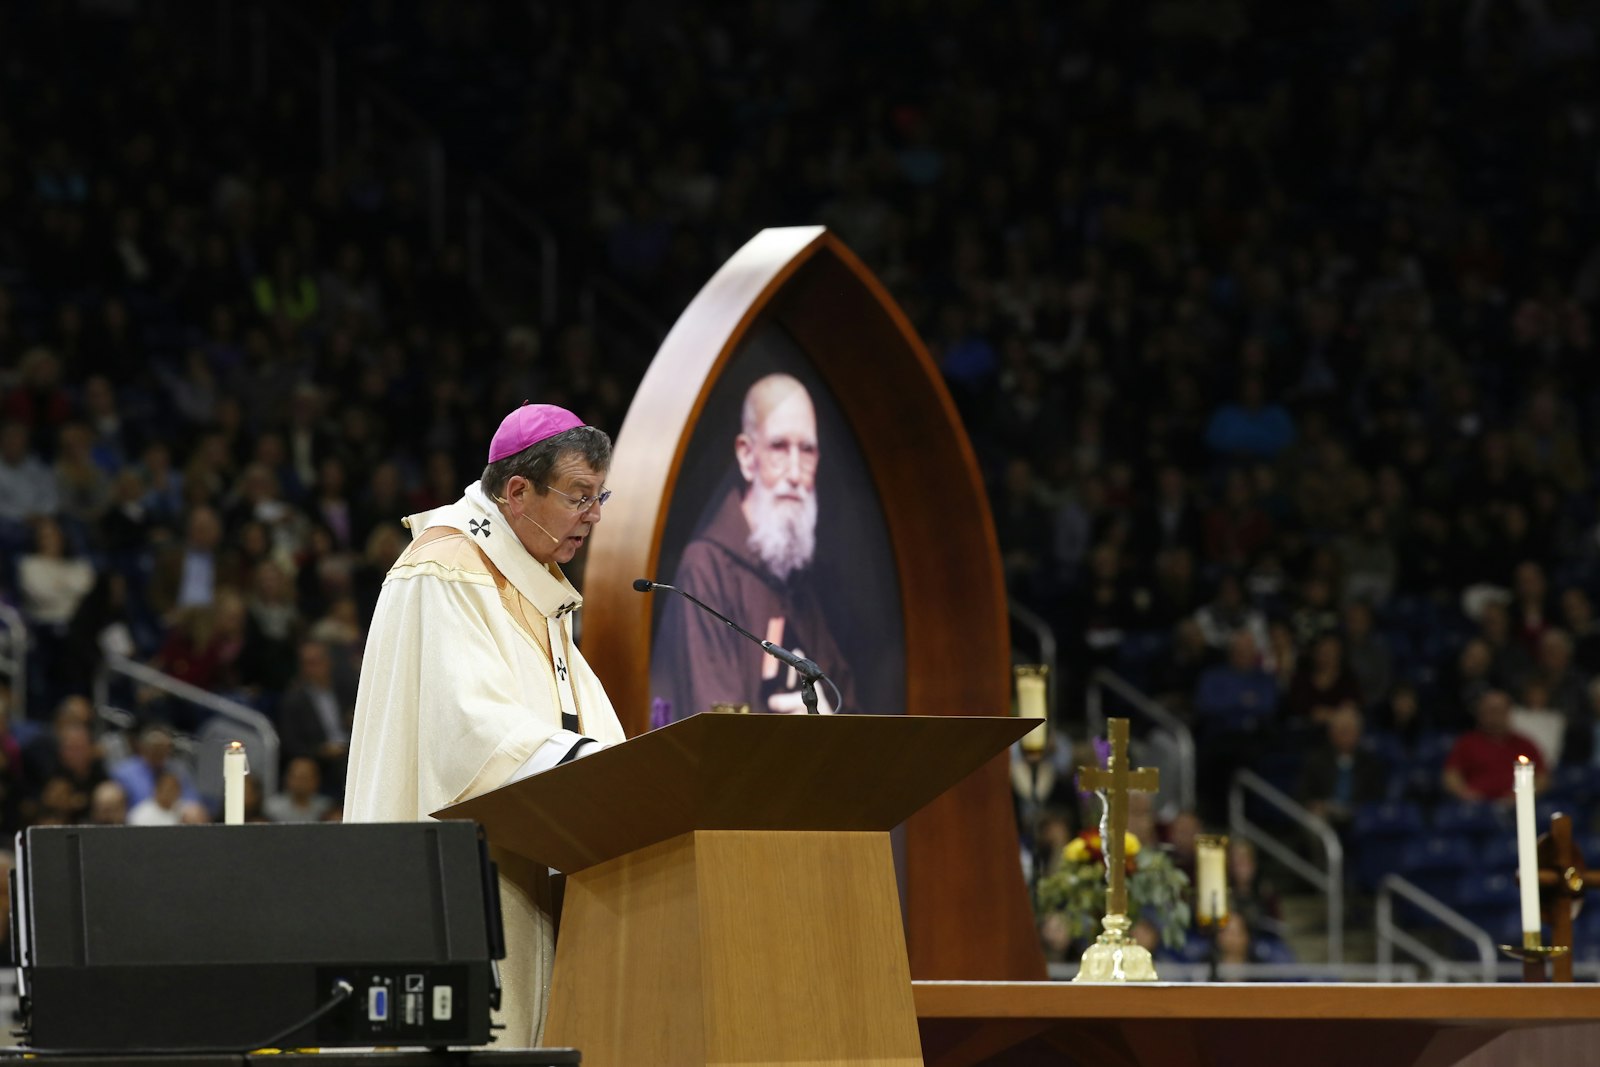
(1272, 328)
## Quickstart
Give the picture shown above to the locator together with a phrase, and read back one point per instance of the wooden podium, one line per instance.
(731, 894)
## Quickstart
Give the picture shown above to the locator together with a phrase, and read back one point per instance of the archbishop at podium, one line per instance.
(471, 678)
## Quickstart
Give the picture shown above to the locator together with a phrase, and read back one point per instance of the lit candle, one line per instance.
(1527, 860)
(1211, 879)
(234, 767)
(1032, 704)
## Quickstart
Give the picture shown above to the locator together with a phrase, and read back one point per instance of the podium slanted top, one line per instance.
(737, 772)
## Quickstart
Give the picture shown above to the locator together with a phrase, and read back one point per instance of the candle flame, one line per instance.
(1520, 759)
(237, 746)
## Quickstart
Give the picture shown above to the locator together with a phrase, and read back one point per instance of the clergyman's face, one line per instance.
(779, 465)
(782, 455)
(551, 526)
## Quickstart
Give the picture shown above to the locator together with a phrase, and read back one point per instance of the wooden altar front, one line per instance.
(1022, 1024)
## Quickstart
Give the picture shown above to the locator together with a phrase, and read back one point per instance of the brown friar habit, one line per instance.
(697, 661)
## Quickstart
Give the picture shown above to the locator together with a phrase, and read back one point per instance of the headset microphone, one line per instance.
(542, 530)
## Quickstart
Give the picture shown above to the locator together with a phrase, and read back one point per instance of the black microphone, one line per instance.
(809, 672)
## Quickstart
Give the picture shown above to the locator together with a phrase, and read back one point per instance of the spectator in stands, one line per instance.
(1480, 763)
(1239, 943)
(288, 293)
(52, 584)
(300, 800)
(1177, 675)
(315, 716)
(188, 574)
(1172, 520)
(1554, 672)
(1371, 661)
(1315, 614)
(1252, 897)
(1234, 706)
(83, 489)
(1238, 695)
(1323, 683)
(138, 772)
(1237, 529)
(272, 630)
(78, 771)
(1530, 614)
(1252, 428)
(1577, 616)
(1038, 785)
(1401, 717)
(1581, 745)
(1509, 658)
(1368, 560)
(1228, 613)
(163, 807)
(108, 805)
(1341, 775)
(27, 488)
(41, 757)
(206, 643)
(1180, 835)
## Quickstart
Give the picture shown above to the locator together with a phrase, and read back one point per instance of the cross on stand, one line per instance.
(1563, 880)
(1114, 956)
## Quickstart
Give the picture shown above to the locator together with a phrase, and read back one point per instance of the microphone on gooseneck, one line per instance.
(809, 672)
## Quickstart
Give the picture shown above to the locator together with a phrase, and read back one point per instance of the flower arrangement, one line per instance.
(1076, 890)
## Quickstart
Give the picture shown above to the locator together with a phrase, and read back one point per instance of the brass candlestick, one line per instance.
(1534, 953)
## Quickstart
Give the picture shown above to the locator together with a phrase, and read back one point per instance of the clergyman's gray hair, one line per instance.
(534, 463)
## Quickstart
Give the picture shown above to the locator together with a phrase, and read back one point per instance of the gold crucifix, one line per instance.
(1115, 783)
(1115, 957)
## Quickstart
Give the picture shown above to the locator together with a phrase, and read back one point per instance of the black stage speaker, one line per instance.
(225, 938)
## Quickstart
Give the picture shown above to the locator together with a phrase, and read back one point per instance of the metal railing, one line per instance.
(242, 714)
(1183, 737)
(1329, 882)
(14, 659)
(1045, 638)
(1439, 965)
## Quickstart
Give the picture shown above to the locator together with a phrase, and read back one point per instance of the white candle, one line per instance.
(1032, 704)
(234, 767)
(1211, 879)
(1527, 859)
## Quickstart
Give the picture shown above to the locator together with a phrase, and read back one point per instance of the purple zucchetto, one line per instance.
(528, 425)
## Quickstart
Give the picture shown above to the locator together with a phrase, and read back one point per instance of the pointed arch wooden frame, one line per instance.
(967, 909)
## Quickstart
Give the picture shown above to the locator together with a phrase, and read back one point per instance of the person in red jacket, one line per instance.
(1480, 764)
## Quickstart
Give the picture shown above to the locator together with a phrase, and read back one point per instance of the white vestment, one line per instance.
(469, 662)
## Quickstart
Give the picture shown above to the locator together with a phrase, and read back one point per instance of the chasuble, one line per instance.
(471, 679)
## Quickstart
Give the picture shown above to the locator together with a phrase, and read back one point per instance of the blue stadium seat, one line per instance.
(1480, 890)
(1469, 817)
(1435, 863)
(1580, 784)
(1498, 852)
(1389, 819)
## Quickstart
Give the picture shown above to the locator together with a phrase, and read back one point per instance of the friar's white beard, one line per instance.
(783, 533)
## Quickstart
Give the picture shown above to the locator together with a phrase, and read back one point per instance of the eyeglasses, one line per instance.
(585, 502)
(779, 452)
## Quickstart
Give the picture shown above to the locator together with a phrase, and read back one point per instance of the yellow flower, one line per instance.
(1130, 846)
(1077, 851)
